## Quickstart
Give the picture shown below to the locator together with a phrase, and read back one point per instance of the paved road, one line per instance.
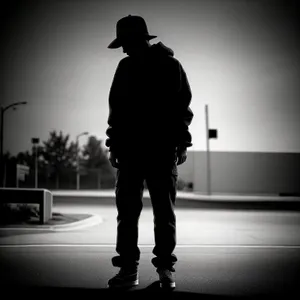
(222, 250)
(214, 271)
(197, 223)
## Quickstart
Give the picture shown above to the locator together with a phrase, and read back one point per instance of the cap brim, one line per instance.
(150, 37)
(116, 43)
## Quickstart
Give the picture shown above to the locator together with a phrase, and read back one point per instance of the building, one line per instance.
(243, 172)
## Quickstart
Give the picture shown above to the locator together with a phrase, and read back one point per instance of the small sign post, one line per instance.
(22, 170)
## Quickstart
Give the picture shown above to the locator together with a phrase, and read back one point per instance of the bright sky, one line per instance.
(241, 58)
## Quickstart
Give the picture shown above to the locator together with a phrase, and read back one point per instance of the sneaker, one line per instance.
(166, 279)
(124, 279)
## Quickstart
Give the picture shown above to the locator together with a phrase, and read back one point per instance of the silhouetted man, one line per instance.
(148, 134)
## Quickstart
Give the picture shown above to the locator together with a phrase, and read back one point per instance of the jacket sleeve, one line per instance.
(114, 96)
(184, 113)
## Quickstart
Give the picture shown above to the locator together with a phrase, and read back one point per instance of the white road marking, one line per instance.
(151, 246)
(25, 229)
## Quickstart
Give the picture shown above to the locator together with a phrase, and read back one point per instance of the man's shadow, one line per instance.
(154, 288)
(151, 290)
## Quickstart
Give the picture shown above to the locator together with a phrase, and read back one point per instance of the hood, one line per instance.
(161, 49)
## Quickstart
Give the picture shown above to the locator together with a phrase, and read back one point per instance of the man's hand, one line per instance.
(181, 155)
(114, 160)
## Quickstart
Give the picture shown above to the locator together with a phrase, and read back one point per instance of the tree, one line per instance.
(58, 156)
(95, 158)
(93, 153)
(25, 158)
(7, 158)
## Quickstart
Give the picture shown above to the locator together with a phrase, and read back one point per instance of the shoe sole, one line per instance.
(125, 285)
(167, 285)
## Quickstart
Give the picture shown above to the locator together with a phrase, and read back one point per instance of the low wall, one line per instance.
(42, 197)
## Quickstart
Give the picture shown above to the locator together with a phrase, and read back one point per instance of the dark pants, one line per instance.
(161, 178)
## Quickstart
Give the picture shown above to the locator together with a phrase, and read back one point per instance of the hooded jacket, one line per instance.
(149, 104)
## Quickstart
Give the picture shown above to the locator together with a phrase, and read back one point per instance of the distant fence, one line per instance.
(67, 181)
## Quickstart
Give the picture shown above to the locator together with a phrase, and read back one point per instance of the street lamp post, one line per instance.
(3, 110)
(35, 142)
(77, 159)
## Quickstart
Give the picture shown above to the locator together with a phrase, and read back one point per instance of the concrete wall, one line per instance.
(186, 170)
(244, 172)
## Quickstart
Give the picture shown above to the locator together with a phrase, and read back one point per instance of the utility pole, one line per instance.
(210, 134)
(208, 173)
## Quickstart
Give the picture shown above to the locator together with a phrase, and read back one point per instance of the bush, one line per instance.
(180, 184)
(10, 214)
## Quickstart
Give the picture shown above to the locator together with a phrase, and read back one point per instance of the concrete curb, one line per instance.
(248, 202)
(187, 196)
(88, 222)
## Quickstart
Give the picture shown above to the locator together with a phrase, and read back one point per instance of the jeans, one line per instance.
(161, 178)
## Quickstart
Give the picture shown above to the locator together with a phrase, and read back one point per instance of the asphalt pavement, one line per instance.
(240, 249)
(208, 272)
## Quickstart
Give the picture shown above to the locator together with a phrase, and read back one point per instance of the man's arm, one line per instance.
(112, 130)
(185, 116)
(111, 139)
